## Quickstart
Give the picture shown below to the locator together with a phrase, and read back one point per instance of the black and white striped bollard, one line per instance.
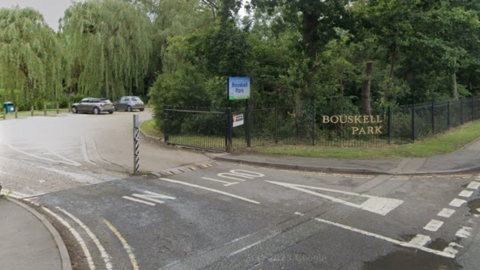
(136, 144)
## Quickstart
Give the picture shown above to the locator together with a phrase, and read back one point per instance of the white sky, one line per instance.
(52, 10)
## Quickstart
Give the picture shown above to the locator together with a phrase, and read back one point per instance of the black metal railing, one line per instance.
(212, 129)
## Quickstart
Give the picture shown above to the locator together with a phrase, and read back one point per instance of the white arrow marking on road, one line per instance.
(149, 198)
(374, 204)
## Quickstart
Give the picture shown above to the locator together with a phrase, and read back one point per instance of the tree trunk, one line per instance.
(393, 60)
(367, 84)
(309, 25)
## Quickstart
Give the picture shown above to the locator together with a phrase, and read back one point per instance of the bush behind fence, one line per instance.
(209, 128)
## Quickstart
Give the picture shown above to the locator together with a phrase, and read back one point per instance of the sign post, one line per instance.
(136, 144)
(238, 88)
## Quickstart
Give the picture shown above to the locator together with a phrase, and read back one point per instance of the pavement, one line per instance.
(29, 241)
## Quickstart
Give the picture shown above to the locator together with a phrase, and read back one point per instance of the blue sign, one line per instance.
(238, 88)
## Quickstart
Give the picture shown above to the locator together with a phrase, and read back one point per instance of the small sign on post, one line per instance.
(237, 120)
(136, 144)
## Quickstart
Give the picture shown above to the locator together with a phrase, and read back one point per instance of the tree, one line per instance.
(109, 47)
(30, 55)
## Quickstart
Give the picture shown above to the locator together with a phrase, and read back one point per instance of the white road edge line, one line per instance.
(391, 240)
(474, 185)
(446, 213)
(433, 225)
(126, 246)
(77, 236)
(210, 189)
(465, 193)
(243, 249)
(457, 202)
(138, 200)
(103, 253)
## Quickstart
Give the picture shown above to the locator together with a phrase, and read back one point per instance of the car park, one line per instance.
(129, 103)
(93, 105)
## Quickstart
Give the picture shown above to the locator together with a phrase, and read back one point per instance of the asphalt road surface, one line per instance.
(231, 216)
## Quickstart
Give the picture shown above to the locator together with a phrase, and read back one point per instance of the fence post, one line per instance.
(16, 111)
(4, 114)
(313, 125)
(413, 121)
(228, 131)
(433, 117)
(276, 124)
(389, 124)
(31, 110)
(448, 114)
(473, 109)
(58, 108)
(461, 112)
(69, 107)
(165, 124)
(136, 144)
(44, 108)
(247, 127)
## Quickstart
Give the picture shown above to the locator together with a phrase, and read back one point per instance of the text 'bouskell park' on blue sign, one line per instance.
(238, 88)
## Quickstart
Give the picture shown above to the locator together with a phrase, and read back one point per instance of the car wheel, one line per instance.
(142, 110)
(74, 109)
(129, 108)
(96, 110)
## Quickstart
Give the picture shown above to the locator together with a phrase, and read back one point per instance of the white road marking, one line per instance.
(69, 161)
(457, 202)
(464, 232)
(77, 236)
(391, 240)
(220, 181)
(103, 253)
(474, 185)
(243, 249)
(433, 225)
(126, 246)
(247, 174)
(446, 212)
(420, 240)
(230, 176)
(374, 204)
(465, 193)
(299, 214)
(210, 189)
(16, 195)
(452, 248)
(138, 200)
(43, 158)
(153, 197)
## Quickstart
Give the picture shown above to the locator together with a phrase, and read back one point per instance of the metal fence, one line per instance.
(212, 129)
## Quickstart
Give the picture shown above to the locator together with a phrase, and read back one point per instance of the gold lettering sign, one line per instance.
(357, 119)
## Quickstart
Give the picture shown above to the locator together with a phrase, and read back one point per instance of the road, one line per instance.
(230, 216)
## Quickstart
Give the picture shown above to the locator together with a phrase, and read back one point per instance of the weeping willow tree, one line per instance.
(108, 47)
(30, 55)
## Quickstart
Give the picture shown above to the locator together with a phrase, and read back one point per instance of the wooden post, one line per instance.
(44, 109)
(4, 114)
(69, 107)
(58, 108)
(31, 110)
(16, 112)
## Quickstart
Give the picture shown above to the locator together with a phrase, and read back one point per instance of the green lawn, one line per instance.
(442, 143)
(150, 128)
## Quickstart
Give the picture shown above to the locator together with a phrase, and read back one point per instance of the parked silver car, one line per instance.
(93, 105)
(129, 103)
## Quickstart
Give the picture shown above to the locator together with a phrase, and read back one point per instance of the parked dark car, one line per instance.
(129, 103)
(93, 105)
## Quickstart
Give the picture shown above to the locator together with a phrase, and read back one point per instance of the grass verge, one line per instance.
(441, 144)
(150, 128)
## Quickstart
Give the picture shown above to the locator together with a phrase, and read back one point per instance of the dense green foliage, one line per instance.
(343, 56)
